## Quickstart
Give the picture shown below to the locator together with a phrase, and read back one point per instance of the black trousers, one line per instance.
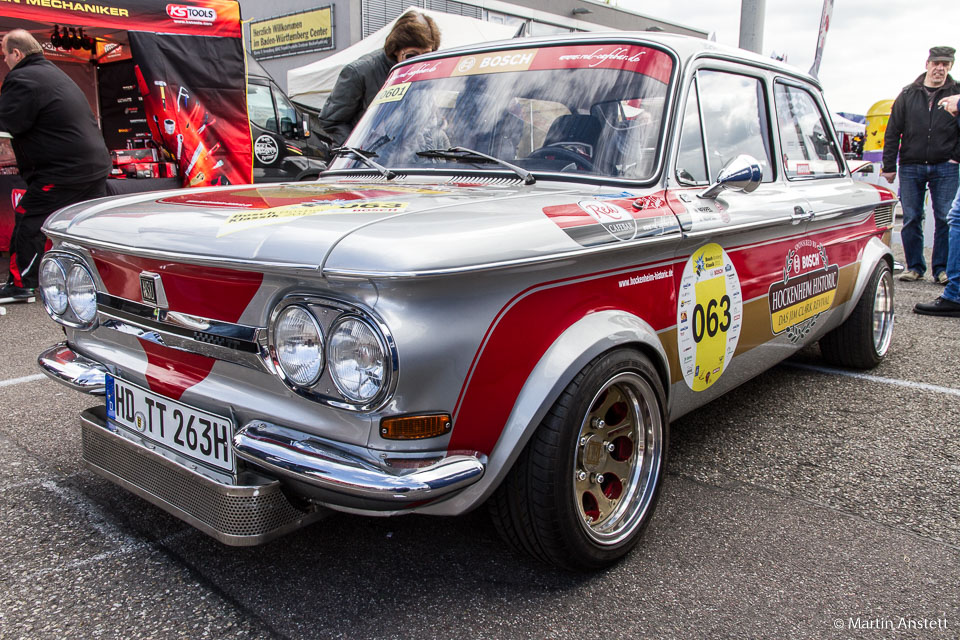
(28, 243)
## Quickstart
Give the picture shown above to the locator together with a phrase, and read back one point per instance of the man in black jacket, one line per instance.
(928, 142)
(59, 148)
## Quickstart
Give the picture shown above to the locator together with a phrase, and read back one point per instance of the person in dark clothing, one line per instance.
(59, 148)
(359, 82)
(948, 304)
(928, 143)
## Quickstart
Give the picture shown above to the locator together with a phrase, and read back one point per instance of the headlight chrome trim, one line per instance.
(342, 320)
(52, 260)
(328, 311)
(275, 354)
(67, 260)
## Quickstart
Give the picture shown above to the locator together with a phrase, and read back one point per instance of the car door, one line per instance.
(268, 145)
(735, 243)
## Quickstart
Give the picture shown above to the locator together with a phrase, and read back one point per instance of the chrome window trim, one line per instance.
(805, 87)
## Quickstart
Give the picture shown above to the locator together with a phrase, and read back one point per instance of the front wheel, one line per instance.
(862, 340)
(586, 484)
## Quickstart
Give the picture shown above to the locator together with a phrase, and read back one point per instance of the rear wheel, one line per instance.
(863, 339)
(586, 484)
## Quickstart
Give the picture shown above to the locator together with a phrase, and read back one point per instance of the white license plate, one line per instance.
(196, 434)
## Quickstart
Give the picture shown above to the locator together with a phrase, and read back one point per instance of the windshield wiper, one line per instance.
(364, 157)
(469, 155)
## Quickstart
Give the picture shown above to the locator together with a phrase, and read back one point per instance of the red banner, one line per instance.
(194, 17)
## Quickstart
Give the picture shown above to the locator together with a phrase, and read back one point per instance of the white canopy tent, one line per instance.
(845, 125)
(312, 83)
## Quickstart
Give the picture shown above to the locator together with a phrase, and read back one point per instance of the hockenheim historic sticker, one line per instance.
(709, 316)
(807, 290)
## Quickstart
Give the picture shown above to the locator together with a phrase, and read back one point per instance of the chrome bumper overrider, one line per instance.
(65, 365)
(315, 469)
(295, 455)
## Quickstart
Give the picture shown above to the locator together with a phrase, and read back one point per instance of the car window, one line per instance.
(260, 107)
(804, 135)
(592, 110)
(287, 113)
(691, 163)
(734, 120)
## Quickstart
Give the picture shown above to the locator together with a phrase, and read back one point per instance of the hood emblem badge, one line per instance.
(151, 290)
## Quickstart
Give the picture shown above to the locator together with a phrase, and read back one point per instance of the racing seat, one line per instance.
(576, 132)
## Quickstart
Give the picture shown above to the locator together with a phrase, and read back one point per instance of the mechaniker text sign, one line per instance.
(292, 34)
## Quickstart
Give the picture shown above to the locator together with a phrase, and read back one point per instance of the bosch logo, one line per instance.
(181, 12)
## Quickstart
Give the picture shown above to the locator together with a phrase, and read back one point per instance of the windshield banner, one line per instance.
(197, 17)
(195, 101)
(636, 58)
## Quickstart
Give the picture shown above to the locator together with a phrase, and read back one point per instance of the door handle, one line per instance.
(799, 215)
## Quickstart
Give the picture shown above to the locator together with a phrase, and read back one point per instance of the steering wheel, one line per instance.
(559, 152)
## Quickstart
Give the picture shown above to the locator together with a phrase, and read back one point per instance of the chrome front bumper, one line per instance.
(312, 468)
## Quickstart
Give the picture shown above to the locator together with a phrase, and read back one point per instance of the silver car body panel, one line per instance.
(492, 300)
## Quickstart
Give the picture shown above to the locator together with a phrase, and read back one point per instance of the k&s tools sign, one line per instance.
(292, 34)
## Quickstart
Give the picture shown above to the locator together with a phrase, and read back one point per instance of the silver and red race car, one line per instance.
(529, 257)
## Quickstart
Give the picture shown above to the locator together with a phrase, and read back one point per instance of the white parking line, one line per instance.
(923, 386)
(13, 381)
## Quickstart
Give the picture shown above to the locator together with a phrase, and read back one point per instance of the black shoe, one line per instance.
(17, 294)
(939, 307)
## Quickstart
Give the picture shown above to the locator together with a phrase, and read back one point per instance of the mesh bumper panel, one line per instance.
(234, 515)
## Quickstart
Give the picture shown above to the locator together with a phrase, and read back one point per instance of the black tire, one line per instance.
(861, 342)
(610, 420)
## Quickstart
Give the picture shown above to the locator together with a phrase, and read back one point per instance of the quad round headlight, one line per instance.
(82, 293)
(299, 345)
(358, 359)
(53, 285)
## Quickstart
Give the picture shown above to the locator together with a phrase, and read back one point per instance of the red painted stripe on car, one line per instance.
(209, 292)
(528, 324)
(170, 372)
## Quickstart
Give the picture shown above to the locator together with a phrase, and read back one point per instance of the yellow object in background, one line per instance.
(877, 118)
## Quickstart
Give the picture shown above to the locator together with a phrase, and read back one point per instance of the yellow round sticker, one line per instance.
(709, 316)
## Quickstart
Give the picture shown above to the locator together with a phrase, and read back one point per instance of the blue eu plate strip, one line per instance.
(111, 398)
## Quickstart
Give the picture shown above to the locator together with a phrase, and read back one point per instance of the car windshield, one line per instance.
(592, 110)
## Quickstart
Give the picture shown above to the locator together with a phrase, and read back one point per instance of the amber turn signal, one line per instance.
(415, 427)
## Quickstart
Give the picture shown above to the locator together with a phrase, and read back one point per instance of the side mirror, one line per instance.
(741, 174)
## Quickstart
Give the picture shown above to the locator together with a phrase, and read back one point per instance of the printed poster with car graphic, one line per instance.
(195, 102)
(709, 316)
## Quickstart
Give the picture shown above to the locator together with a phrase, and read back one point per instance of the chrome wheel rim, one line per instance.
(883, 314)
(618, 458)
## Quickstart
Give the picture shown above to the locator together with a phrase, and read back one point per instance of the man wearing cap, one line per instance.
(928, 143)
(60, 151)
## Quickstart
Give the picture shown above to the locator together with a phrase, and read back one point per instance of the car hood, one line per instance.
(356, 227)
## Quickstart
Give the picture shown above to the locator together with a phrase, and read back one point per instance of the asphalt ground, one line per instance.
(808, 503)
